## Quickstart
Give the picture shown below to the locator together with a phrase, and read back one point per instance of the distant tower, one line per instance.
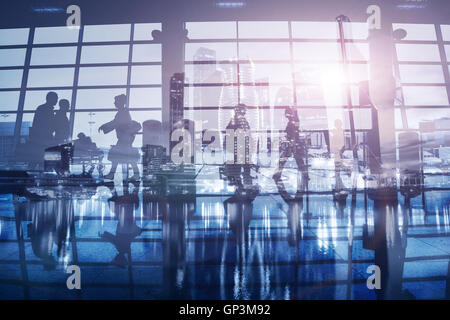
(248, 94)
(176, 99)
(229, 92)
(263, 93)
(205, 71)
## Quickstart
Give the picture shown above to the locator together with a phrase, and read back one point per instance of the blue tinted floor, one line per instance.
(131, 243)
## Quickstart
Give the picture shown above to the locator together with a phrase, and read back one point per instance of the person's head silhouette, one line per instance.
(338, 124)
(64, 105)
(120, 101)
(291, 114)
(52, 98)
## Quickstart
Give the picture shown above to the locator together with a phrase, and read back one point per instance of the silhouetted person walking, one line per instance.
(292, 146)
(126, 130)
(62, 124)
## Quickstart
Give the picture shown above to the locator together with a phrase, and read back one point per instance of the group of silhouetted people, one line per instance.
(49, 127)
(52, 128)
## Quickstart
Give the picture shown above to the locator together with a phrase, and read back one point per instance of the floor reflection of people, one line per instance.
(179, 211)
(239, 211)
(292, 146)
(126, 130)
(51, 220)
(389, 242)
(294, 213)
(124, 207)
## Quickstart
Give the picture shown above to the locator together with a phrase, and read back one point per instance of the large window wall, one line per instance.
(264, 64)
(271, 64)
(88, 66)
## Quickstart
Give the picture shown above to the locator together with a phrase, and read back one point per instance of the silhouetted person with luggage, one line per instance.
(41, 131)
(126, 130)
(62, 124)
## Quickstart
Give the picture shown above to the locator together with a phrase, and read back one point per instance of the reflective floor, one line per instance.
(131, 243)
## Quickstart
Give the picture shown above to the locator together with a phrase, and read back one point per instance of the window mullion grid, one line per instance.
(76, 78)
(444, 61)
(26, 68)
(130, 59)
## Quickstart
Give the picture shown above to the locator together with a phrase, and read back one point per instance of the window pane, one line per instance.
(55, 35)
(91, 76)
(281, 95)
(211, 96)
(27, 121)
(12, 57)
(9, 100)
(415, 116)
(357, 51)
(147, 53)
(356, 30)
(421, 74)
(97, 98)
(264, 51)
(53, 56)
(314, 30)
(362, 119)
(105, 54)
(51, 77)
(447, 52)
(311, 72)
(210, 51)
(143, 31)
(146, 75)
(423, 32)
(7, 123)
(326, 73)
(108, 32)
(359, 72)
(310, 119)
(266, 73)
(211, 119)
(13, 36)
(263, 29)
(145, 98)
(211, 73)
(425, 96)
(89, 122)
(445, 29)
(418, 52)
(317, 51)
(310, 96)
(34, 98)
(11, 78)
(211, 30)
